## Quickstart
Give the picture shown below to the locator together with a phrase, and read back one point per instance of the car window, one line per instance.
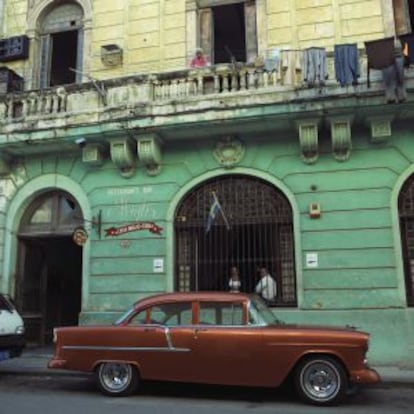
(139, 319)
(169, 314)
(172, 314)
(225, 314)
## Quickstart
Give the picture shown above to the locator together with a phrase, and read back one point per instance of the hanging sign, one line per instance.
(79, 236)
(140, 225)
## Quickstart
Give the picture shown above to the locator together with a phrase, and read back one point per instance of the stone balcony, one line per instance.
(212, 101)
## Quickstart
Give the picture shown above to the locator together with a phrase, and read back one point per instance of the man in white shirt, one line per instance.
(266, 287)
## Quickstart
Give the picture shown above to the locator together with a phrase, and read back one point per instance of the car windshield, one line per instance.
(124, 317)
(5, 303)
(260, 314)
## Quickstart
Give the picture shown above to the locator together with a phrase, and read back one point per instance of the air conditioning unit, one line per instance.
(111, 55)
(10, 81)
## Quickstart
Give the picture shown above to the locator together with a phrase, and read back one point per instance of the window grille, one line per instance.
(259, 233)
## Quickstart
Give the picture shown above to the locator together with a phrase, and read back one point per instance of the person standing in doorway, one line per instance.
(199, 60)
(234, 282)
(266, 287)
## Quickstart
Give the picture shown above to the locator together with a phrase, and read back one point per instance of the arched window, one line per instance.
(406, 212)
(254, 228)
(61, 45)
(52, 213)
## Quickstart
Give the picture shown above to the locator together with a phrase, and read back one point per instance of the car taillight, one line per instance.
(54, 335)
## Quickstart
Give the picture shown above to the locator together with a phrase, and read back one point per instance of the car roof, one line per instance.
(191, 296)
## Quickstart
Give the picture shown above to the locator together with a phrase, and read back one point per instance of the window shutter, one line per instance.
(79, 57)
(207, 33)
(401, 17)
(251, 32)
(45, 64)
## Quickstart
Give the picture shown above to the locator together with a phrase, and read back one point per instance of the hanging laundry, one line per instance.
(290, 67)
(380, 54)
(346, 64)
(393, 77)
(271, 61)
(314, 67)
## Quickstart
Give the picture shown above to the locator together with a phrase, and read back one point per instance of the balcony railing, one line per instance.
(214, 82)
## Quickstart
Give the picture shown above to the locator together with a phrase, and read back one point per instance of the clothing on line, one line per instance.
(314, 66)
(347, 69)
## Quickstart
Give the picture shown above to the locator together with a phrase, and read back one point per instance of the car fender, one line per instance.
(319, 352)
(116, 361)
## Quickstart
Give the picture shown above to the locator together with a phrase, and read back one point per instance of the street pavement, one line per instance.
(34, 362)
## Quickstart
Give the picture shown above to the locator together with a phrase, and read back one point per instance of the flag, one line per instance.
(215, 208)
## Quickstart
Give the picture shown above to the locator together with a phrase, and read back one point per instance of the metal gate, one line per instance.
(406, 212)
(253, 228)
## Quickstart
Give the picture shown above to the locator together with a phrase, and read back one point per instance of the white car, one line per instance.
(11, 329)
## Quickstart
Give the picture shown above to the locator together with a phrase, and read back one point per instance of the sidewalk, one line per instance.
(34, 362)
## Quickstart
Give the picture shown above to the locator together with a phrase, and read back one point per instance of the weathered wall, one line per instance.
(153, 33)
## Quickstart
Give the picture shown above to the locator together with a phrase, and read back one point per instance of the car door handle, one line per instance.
(149, 329)
(196, 331)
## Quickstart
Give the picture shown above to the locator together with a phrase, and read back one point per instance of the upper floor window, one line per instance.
(61, 41)
(227, 30)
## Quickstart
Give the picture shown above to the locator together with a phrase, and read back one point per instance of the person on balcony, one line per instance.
(199, 60)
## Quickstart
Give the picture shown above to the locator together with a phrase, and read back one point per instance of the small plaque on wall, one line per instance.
(158, 265)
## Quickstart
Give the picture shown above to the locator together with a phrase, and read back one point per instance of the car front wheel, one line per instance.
(320, 380)
(117, 379)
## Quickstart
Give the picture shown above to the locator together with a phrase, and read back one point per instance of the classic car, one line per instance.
(215, 338)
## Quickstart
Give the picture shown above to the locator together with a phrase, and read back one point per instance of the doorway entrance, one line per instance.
(252, 228)
(49, 273)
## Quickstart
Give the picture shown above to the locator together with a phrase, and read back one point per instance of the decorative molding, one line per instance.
(149, 152)
(229, 151)
(93, 154)
(341, 136)
(308, 139)
(123, 155)
(380, 127)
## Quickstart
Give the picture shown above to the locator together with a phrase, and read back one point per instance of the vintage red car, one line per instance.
(215, 338)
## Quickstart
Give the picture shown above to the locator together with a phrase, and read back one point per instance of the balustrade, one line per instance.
(225, 79)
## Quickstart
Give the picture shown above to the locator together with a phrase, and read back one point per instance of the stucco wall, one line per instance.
(154, 36)
(359, 279)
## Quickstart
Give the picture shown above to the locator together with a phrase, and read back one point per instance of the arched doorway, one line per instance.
(49, 268)
(406, 213)
(258, 232)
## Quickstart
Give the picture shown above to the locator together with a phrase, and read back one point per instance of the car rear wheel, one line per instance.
(320, 380)
(117, 379)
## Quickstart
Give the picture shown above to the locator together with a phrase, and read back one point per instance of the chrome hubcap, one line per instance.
(321, 380)
(115, 377)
